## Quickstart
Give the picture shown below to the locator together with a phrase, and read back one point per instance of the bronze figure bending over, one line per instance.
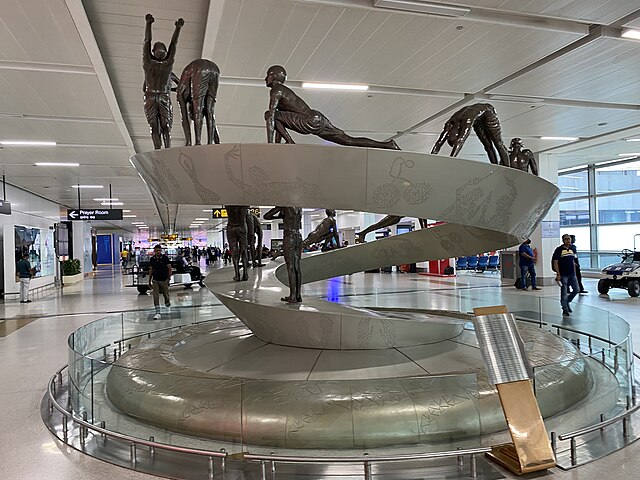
(482, 117)
(253, 228)
(325, 232)
(522, 158)
(288, 111)
(292, 246)
(157, 65)
(237, 237)
(197, 91)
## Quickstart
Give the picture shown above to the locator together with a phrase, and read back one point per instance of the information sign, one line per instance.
(222, 212)
(95, 214)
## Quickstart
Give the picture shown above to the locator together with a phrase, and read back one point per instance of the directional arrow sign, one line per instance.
(95, 214)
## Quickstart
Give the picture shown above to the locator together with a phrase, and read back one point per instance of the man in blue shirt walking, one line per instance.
(527, 261)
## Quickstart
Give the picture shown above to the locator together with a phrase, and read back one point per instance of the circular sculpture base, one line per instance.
(222, 382)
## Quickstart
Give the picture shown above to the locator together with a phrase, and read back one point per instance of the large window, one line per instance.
(613, 219)
(574, 212)
(618, 178)
(623, 208)
(573, 184)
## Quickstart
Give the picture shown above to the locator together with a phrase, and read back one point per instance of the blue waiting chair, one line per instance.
(461, 263)
(483, 262)
(472, 263)
(494, 263)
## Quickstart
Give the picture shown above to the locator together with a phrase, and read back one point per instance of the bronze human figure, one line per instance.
(253, 228)
(292, 247)
(387, 221)
(522, 158)
(237, 237)
(288, 111)
(157, 65)
(482, 117)
(197, 91)
(325, 232)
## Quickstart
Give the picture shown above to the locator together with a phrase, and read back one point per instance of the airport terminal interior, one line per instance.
(351, 306)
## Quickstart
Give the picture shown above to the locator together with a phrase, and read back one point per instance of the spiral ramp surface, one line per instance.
(234, 389)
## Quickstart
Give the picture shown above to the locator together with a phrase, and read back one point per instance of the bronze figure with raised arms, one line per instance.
(158, 64)
(484, 121)
(287, 111)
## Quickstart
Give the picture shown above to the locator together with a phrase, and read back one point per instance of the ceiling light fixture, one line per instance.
(630, 33)
(129, 216)
(201, 218)
(636, 154)
(423, 7)
(335, 86)
(56, 164)
(87, 186)
(137, 223)
(108, 204)
(633, 139)
(126, 211)
(26, 143)
(105, 199)
(568, 139)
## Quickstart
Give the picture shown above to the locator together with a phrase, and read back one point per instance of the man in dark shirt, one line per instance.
(159, 275)
(564, 265)
(24, 272)
(526, 263)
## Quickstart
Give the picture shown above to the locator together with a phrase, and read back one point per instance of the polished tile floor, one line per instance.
(33, 336)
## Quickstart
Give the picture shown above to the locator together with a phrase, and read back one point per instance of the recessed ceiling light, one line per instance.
(56, 164)
(335, 86)
(637, 154)
(208, 210)
(126, 211)
(27, 143)
(142, 227)
(201, 218)
(421, 6)
(568, 139)
(630, 33)
(633, 139)
(87, 186)
(107, 204)
(105, 199)
(129, 216)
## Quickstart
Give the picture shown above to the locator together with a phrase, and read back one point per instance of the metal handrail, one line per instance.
(122, 436)
(367, 458)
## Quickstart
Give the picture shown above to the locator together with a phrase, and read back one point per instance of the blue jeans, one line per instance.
(523, 275)
(565, 296)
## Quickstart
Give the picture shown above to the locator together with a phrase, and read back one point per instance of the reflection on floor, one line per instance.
(33, 347)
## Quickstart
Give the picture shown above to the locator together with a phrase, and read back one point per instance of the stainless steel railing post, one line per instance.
(133, 453)
(223, 462)
(473, 466)
(263, 469)
(574, 452)
(152, 449)
(210, 464)
(65, 428)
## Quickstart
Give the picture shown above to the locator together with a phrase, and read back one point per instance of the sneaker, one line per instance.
(565, 312)
(535, 288)
(583, 292)
(168, 304)
(157, 316)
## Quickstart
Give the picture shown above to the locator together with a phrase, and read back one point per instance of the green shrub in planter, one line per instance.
(71, 267)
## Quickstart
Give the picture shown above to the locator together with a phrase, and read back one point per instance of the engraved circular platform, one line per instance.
(222, 382)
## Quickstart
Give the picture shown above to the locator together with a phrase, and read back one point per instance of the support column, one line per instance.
(550, 225)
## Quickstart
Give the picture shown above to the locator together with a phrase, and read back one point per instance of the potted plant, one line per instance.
(71, 271)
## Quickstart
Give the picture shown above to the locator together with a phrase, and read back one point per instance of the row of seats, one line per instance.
(478, 263)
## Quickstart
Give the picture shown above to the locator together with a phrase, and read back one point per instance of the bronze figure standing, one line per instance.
(157, 65)
(522, 158)
(288, 111)
(237, 237)
(254, 228)
(292, 246)
(197, 91)
(482, 117)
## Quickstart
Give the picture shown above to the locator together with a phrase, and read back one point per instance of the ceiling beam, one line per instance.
(214, 15)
